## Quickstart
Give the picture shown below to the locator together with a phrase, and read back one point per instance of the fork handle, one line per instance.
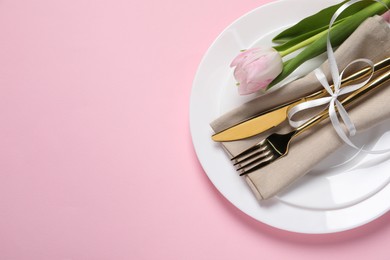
(381, 65)
(352, 98)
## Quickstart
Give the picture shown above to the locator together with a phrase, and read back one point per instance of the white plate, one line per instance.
(345, 191)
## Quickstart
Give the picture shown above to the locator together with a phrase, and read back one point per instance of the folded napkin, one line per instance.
(372, 41)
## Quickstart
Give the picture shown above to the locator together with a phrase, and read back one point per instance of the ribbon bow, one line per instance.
(337, 91)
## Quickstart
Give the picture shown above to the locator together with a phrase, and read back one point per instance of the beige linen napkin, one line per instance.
(372, 41)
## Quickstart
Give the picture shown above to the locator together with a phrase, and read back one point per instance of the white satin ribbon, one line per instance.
(332, 99)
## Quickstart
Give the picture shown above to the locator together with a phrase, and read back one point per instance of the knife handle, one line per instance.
(383, 64)
(352, 98)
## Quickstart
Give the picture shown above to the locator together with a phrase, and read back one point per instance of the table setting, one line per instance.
(308, 151)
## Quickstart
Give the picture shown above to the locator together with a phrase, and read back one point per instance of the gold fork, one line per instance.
(276, 145)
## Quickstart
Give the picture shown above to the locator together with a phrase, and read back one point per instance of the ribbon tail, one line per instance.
(346, 119)
(337, 126)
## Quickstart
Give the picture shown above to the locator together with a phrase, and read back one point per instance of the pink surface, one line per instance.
(96, 159)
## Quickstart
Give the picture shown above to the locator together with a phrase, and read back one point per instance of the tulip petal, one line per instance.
(256, 68)
(386, 16)
(242, 56)
(240, 74)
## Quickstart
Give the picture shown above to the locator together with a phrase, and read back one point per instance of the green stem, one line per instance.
(302, 43)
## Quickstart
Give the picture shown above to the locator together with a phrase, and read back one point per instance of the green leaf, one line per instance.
(314, 23)
(338, 34)
(300, 38)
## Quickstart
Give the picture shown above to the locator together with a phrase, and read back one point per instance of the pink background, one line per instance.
(96, 159)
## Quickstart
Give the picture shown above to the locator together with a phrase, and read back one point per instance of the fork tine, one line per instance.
(262, 155)
(248, 151)
(261, 149)
(261, 164)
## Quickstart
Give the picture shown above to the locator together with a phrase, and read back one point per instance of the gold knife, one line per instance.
(274, 116)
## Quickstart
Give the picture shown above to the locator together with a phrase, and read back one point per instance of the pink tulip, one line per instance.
(256, 68)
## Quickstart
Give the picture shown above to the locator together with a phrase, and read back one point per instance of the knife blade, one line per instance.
(256, 124)
(274, 116)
